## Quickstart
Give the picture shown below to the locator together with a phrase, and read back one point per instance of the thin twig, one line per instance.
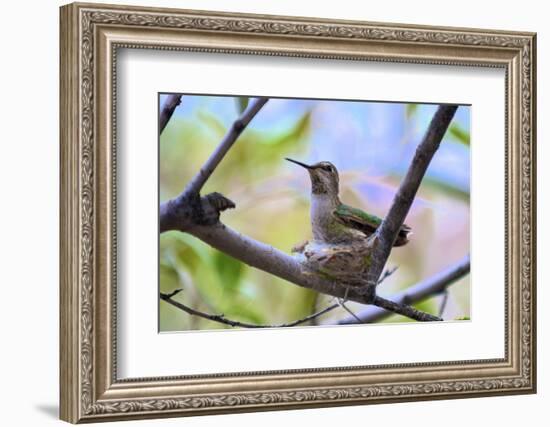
(167, 110)
(196, 184)
(220, 318)
(171, 294)
(443, 304)
(416, 293)
(387, 274)
(351, 313)
(188, 212)
(187, 208)
(314, 305)
(402, 202)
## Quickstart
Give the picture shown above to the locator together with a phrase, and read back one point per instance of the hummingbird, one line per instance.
(334, 222)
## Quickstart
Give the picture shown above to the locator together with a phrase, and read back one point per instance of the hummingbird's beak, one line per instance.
(299, 163)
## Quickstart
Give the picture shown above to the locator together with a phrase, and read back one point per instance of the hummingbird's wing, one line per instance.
(367, 223)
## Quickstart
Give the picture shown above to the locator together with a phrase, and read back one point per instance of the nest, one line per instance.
(347, 263)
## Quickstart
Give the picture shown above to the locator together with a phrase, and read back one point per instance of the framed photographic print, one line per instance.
(266, 212)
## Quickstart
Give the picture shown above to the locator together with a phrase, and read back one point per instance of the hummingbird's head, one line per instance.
(324, 177)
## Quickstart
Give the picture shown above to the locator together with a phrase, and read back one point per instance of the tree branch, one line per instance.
(199, 216)
(278, 263)
(419, 292)
(167, 110)
(443, 303)
(402, 202)
(196, 184)
(403, 309)
(271, 260)
(187, 208)
(220, 318)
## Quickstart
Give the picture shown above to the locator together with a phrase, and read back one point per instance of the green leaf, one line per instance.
(169, 279)
(229, 270)
(447, 189)
(212, 122)
(293, 135)
(442, 187)
(242, 103)
(184, 241)
(459, 134)
(410, 110)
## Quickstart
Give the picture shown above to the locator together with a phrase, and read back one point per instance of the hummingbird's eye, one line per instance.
(327, 168)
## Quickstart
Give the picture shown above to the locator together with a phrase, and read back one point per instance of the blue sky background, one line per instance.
(380, 137)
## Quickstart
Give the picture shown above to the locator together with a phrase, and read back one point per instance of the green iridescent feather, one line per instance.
(367, 223)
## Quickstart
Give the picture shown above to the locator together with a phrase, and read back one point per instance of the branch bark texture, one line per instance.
(199, 216)
(167, 110)
(271, 260)
(176, 214)
(402, 202)
(416, 293)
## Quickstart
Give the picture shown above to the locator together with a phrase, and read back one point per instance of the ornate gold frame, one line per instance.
(90, 35)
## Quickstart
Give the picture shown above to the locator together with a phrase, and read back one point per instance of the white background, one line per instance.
(141, 347)
(29, 171)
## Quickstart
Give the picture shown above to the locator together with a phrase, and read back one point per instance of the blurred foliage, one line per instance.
(460, 134)
(242, 103)
(272, 199)
(410, 110)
